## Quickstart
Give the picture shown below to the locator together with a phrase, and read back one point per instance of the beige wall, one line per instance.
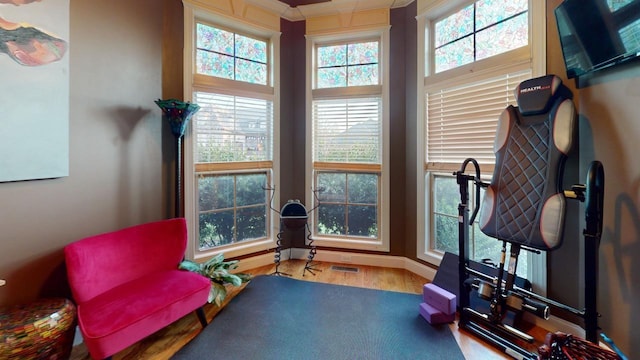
(116, 140)
(609, 110)
(608, 106)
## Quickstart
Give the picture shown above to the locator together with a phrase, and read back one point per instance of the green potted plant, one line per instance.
(217, 270)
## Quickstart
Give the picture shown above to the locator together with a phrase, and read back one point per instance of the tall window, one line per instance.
(474, 58)
(233, 149)
(347, 143)
(231, 142)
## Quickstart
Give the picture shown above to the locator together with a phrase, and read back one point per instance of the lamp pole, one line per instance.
(178, 113)
(179, 178)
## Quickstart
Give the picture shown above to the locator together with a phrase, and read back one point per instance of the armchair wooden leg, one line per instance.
(202, 317)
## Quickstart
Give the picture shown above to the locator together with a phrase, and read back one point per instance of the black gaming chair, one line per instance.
(524, 207)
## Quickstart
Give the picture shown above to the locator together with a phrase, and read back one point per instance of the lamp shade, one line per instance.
(178, 113)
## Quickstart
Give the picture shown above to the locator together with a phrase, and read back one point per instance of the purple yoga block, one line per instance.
(439, 298)
(435, 316)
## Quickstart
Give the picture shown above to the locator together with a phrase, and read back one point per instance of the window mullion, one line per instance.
(462, 106)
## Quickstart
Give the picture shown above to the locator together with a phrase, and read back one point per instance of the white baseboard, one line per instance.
(342, 257)
(255, 262)
(360, 259)
(415, 267)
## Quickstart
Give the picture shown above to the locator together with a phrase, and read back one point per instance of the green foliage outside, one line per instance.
(348, 204)
(481, 246)
(339, 149)
(228, 152)
(232, 208)
(348, 207)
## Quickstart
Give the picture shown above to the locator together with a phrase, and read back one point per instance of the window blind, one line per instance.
(461, 121)
(347, 130)
(232, 128)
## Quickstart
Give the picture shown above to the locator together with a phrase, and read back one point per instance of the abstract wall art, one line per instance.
(34, 89)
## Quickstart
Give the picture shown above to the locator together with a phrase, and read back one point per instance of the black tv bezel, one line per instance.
(630, 13)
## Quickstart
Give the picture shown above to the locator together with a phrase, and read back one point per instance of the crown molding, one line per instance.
(332, 7)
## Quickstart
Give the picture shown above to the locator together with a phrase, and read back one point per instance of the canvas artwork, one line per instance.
(34, 89)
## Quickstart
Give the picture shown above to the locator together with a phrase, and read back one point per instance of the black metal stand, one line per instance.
(593, 217)
(309, 266)
(278, 253)
(502, 293)
(293, 215)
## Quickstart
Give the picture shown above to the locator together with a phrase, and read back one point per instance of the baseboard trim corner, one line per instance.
(342, 257)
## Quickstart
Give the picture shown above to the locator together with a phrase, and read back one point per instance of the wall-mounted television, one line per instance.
(595, 34)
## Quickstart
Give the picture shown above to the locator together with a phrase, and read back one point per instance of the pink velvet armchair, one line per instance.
(126, 284)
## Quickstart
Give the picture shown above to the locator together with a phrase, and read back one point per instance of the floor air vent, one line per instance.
(344, 268)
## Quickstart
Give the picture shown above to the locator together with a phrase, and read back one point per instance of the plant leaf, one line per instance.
(244, 277)
(217, 270)
(217, 294)
(190, 266)
(216, 260)
(232, 279)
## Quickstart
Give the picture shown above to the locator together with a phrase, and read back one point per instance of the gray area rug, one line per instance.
(282, 318)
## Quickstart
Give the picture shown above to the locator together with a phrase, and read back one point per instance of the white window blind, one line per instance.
(347, 130)
(461, 120)
(233, 128)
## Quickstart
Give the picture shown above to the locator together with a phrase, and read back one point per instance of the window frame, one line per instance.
(346, 42)
(534, 54)
(381, 34)
(240, 32)
(346, 202)
(192, 82)
(235, 207)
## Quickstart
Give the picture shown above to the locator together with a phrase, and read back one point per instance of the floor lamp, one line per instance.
(178, 113)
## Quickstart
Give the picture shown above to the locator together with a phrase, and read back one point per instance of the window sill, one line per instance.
(235, 250)
(432, 257)
(371, 245)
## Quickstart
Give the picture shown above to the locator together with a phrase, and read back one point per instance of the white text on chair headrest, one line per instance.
(535, 96)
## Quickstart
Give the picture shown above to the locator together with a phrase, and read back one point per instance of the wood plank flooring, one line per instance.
(164, 343)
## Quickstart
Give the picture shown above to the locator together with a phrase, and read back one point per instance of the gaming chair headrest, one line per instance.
(536, 96)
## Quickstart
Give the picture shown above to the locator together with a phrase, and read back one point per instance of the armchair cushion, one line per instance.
(127, 284)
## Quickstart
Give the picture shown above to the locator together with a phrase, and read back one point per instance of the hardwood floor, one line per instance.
(164, 343)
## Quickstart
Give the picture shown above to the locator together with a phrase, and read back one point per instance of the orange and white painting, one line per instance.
(34, 89)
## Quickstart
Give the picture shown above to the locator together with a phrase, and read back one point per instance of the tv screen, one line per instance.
(595, 34)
